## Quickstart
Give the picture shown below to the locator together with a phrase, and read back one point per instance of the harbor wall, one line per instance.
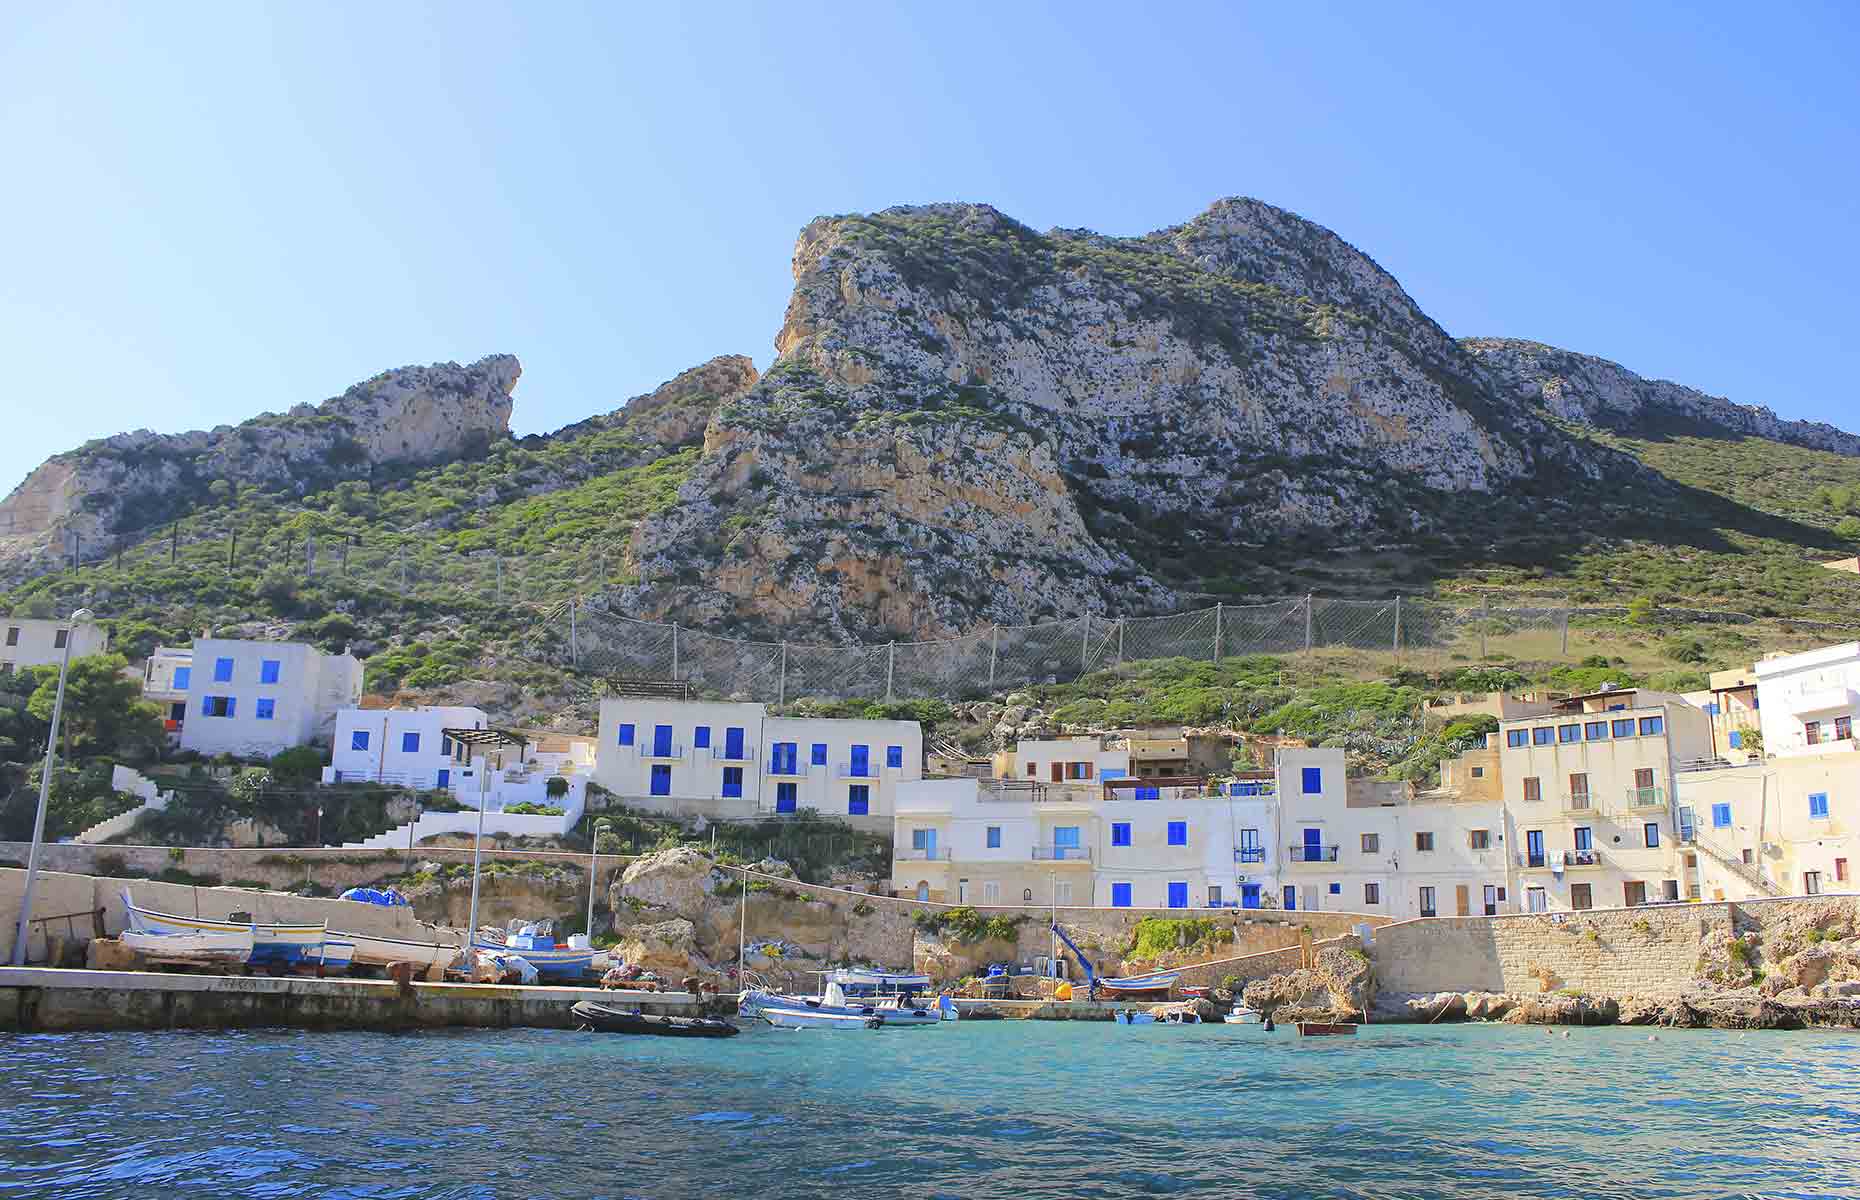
(1654, 950)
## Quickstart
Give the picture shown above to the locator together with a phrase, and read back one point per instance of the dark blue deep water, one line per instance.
(977, 1109)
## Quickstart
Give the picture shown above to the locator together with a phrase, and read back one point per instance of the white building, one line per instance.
(407, 747)
(1083, 759)
(166, 679)
(251, 698)
(720, 759)
(36, 642)
(1807, 702)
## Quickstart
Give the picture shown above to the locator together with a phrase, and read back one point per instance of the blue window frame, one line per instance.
(733, 743)
(222, 670)
(1542, 735)
(1568, 733)
(1311, 779)
(1711, 708)
(1651, 834)
(1336, 889)
(1583, 837)
(1720, 816)
(443, 779)
(1517, 737)
(1737, 739)
(1650, 726)
(1623, 729)
(733, 782)
(1066, 835)
(784, 758)
(182, 677)
(217, 706)
(923, 839)
(861, 765)
(994, 837)
(358, 739)
(894, 757)
(1596, 731)
(817, 754)
(1291, 897)
(786, 796)
(264, 708)
(268, 670)
(859, 800)
(409, 743)
(1178, 894)
(1818, 804)
(661, 779)
(445, 746)
(1120, 833)
(662, 741)
(1148, 793)
(626, 734)
(700, 737)
(1178, 833)
(1120, 895)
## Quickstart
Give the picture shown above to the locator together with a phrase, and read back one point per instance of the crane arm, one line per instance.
(1091, 973)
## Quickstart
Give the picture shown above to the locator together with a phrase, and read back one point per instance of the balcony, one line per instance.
(1572, 859)
(1578, 804)
(722, 754)
(662, 753)
(1646, 799)
(1311, 853)
(857, 771)
(792, 769)
(1575, 860)
(1250, 854)
(1077, 854)
(935, 855)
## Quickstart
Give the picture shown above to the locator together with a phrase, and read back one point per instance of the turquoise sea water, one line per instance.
(976, 1109)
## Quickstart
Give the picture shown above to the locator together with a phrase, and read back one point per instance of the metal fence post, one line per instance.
(1217, 631)
(891, 667)
(781, 682)
(232, 550)
(309, 555)
(1120, 641)
(994, 653)
(675, 674)
(1485, 617)
(574, 648)
(1398, 624)
(1307, 622)
(1085, 644)
(498, 555)
(1563, 628)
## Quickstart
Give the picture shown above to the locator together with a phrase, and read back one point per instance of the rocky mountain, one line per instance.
(676, 412)
(118, 485)
(1586, 390)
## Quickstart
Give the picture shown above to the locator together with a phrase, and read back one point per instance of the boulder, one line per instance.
(666, 948)
(680, 880)
(109, 954)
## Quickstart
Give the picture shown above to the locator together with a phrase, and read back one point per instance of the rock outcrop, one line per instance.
(1340, 987)
(1586, 390)
(675, 413)
(133, 480)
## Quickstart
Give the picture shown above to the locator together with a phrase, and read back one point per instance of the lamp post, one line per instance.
(594, 849)
(80, 617)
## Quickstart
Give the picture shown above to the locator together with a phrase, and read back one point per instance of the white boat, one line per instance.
(202, 945)
(1241, 1016)
(807, 1018)
(1178, 1016)
(380, 951)
(554, 961)
(863, 992)
(1155, 981)
(270, 942)
(333, 953)
(1132, 1017)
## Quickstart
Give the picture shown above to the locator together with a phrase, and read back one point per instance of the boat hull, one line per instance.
(270, 943)
(604, 1019)
(783, 1018)
(380, 951)
(203, 946)
(550, 964)
(1324, 1029)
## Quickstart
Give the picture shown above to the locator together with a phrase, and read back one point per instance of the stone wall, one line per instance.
(1608, 952)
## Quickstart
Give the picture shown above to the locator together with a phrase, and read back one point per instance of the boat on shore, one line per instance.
(333, 954)
(552, 959)
(380, 951)
(1155, 981)
(1325, 1028)
(1241, 1016)
(229, 946)
(604, 1018)
(271, 943)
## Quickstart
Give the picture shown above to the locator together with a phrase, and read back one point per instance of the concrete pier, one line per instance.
(46, 1000)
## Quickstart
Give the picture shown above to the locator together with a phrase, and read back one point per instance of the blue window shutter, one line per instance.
(358, 740)
(1818, 804)
(859, 804)
(1178, 895)
(1737, 739)
(268, 670)
(182, 677)
(1336, 889)
(661, 779)
(700, 737)
(409, 743)
(222, 670)
(1313, 781)
(994, 837)
(1178, 833)
(1120, 895)
(232, 703)
(733, 782)
(264, 708)
(817, 754)
(1720, 816)
(1120, 834)
(626, 735)
(894, 756)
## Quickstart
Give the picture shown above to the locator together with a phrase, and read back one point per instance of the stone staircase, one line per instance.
(1736, 865)
(126, 779)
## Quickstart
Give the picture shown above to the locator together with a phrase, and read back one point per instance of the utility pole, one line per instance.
(891, 668)
(1120, 641)
(574, 649)
(675, 674)
(781, 681)
(1398, 624)
(1563, 628)
(1485, 617)
(232, 550)
(309, 555)
(1085, 645)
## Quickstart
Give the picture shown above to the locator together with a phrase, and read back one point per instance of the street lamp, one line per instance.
(594, 849)
(80, 617)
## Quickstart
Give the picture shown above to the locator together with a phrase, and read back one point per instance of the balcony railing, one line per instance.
(856, 771)
(649, 751)
(1250, 854)
(1646, 798)
(1571, 858)
(1062, 854)
(1578, 802)
(792, 769)
(1312, 853)
(722, 754)
(937, 855)
(1582, 858)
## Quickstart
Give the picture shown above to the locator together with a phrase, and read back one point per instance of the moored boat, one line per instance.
(1324, 1028)
(789, 1012)
(607, 1019)
(864, 992)
(198, 946)
(1241, 1016)
(552, 959)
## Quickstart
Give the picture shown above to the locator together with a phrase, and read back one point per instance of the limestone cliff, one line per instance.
(119, 484)
(970, 421)
(675, 413)
(1586, 390)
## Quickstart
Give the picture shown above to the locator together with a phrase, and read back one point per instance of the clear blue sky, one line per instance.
(216, 210)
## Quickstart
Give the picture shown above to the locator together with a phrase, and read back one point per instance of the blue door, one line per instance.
(733, 743)
(1178, 895)
(861, 761)
(1120, 895)
(1249, 895)
(445, 780)
(1534, 848)
(1291, 898)
(661, 779)
(662, 741)
(784, 797)
(1314, 845)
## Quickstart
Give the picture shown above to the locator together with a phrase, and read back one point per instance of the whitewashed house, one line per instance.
(167, 678)
(251, 698)
(1807, 703)
(37, 642)
(407, 747)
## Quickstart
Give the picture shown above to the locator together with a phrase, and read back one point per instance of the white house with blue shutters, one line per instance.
(407, 747)
(729, 760)
(251, 698)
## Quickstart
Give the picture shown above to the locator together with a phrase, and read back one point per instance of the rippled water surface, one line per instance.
(976, 1109)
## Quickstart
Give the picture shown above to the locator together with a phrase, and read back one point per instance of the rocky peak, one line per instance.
(675, 413)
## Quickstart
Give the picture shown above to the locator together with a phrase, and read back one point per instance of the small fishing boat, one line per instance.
(788, 1012)
(380, 951)
(1132, 1017)
(333, 954)
(552, 959)
(1241, 1016)
(863, 992)
(199, 946)
(271, 943)
(1324, 1028)
(605, 1018)
(1155, 981)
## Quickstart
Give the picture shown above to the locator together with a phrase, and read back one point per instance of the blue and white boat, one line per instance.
(552, 960)
(332, 954)
(855, 992)
(271, 943)
(1155, 981)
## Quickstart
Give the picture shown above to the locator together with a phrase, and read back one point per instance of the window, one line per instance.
(994, 837)
(1623, 729)
(1250, 848)
(661, 779)
(1479, 839)
(1423, 841)
(1478, 772)
(1372, 893)
(894, 758)
(1427, 902)
(1311, 780)
(1840, 869)
(12, 635)
(409, 743)
(1214, 895)
(626, 735)
(1843, 729)
(923, 839)
(1812, 730)
(1542, 735)
(264, 708)
(268, 670)
(991, 892)
(1062, 892)
(1584, 837)
(1651, 834)
(700, 738)
(1579, 789)
(1536, 900)
(59, 639)
(1178, 833)
(861, 764)
(1120, 833)
(1148, 793)
(1811, 883)
(1596, 731)
(1568, 733)
(1372, 842)
(1720, 816)
(1178, 893)
(1066, 837)
(358, 739)
(222, 670)
(1336, 889)
(1818, 804)
(182, 677)
(859, 804)
(1749, 856)
(733, 783)
(733, 743)
(1517, 737)
(1581, 896)
(783, 758)
(1651, 726)
(1033, 769)
(1533, 790)
(1120, 895)
(817, 754)
(217, 706)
